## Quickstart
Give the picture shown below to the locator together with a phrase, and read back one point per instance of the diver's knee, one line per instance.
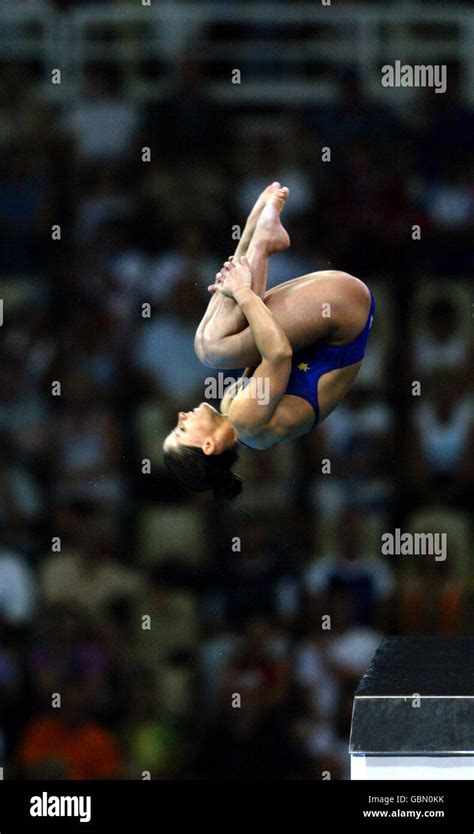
(198, 346)
(207, 351)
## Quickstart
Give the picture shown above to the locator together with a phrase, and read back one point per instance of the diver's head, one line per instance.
(201, 450)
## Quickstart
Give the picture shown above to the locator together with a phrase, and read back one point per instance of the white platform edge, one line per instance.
(408, 768)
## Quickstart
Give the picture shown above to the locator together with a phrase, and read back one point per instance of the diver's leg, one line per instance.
(224, 312)
(329, 305)
(223, 322)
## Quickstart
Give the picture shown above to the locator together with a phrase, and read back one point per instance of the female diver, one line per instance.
(301, 343)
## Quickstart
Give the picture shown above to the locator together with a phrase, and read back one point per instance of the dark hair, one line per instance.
(201, 472)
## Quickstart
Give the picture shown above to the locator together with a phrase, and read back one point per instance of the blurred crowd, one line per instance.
(146, 631)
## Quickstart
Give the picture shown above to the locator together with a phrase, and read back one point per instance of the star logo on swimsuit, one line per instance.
(303, 366)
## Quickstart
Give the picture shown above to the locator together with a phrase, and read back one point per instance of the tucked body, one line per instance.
(302, 343)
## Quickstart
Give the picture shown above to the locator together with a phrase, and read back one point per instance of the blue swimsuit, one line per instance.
(310, 363)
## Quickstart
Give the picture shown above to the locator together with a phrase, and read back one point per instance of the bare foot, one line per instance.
(269, 226)
(260, 205)
(279, 236)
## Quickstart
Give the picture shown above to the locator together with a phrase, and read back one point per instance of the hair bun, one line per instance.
(230, 488)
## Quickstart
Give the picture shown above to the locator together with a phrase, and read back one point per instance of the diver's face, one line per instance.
(194, 427)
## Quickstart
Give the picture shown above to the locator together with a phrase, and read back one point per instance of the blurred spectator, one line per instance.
(329, 664)
(174, 619)
(349, 647)
(23, 410)
(17, 589)
(102, 122)
(314, 677)
(29, 339)
(13, 701)
(368, 580)
(441, 449)
(358, 440)
(353, 117)
(257, 580)
(442, 122)
(92, 351)
(113, 277)
(71, 744)
(440, 612)
(105, 198)
(89, 575)
(189, 258)
(251, 739)
(153, 738)
(449, 206)
(363, 180)
(165, 349)
(24, 115)
(273, 162)
(22, 503)
(443, 344)
(251, 744)
(186, 125)
(25, 210)
(450, 199)
(88, 446)
(69, 649)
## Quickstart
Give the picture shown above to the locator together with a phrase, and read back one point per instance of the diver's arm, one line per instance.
(270, 339)
(255, 404)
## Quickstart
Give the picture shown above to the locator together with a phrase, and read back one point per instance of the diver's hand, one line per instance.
(219, 279)
(236, 276)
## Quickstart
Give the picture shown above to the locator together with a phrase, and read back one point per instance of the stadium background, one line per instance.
(134, 545)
